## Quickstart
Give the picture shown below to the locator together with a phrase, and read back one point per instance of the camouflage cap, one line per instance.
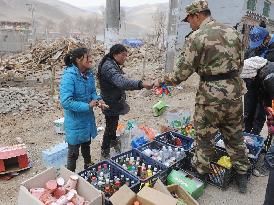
(195, 7)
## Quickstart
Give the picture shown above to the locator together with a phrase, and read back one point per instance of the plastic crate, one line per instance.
(268, 142)
(155, 145)
(254, 149)
(166, 138)
(144, 159)
(115, 170)
(221, 176)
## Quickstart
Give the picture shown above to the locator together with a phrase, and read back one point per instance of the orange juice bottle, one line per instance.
(136, 203)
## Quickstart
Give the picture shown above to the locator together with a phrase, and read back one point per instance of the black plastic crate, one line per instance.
(268, 142)
(143, 159)
(220, 176)
(168, 138)
(255, 149)
(175, 163)
(115, 170)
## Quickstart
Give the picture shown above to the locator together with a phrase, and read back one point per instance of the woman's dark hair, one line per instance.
(71, 57)
(114, 50)
(262, 24)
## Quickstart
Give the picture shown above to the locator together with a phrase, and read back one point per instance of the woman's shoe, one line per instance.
(116, 144)
(86, 166)
(105, 154)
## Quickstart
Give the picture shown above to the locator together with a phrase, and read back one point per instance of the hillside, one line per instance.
(52, 10)
(138, 19)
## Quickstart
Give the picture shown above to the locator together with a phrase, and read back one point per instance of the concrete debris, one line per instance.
(15, 99)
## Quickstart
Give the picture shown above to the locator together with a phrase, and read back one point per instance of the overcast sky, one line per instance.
(95, 3)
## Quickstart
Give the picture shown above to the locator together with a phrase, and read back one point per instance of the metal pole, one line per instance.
(33, 25)
(112, 26)
(31, 8)
(171, 35)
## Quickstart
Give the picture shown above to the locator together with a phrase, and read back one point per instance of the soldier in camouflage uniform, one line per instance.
(213, 50)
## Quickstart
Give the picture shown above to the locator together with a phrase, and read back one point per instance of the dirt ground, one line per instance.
(36, 130)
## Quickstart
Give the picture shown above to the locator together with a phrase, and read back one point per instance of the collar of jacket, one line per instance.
(75, 70)
(116, 64)
(206, 21)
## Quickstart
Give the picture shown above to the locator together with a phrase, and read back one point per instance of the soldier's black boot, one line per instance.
(241, 180)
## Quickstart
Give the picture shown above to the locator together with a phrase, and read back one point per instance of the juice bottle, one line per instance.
(136, 203)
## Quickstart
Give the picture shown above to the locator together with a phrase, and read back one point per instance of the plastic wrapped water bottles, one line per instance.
(55, 156)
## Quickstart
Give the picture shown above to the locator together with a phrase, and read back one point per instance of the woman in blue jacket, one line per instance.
(78, 97)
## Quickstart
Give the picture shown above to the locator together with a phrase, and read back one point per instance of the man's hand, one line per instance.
(147, 86)
(102, 104)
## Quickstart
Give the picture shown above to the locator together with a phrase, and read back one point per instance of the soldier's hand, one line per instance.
(157, 83)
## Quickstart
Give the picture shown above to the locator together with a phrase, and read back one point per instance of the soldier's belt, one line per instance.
(222, 76)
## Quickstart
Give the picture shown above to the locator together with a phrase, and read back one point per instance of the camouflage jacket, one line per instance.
(211, 50)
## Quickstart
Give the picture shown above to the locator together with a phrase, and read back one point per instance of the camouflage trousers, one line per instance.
(228, 119)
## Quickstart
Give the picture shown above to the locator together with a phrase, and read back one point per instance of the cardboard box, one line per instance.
(159, 195)
(84, 189)
(182, 194)
(191, 184)
(147, 196)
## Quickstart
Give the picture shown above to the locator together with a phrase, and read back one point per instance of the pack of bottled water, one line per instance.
(55, 156)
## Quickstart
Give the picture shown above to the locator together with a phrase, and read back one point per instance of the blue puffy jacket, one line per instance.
(75, 95)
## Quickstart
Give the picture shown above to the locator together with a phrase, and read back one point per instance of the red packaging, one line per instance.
(37, 192)
(51, 185)
(60, 191)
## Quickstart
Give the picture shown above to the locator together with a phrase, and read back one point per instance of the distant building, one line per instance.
(14, 36)
(257, 11)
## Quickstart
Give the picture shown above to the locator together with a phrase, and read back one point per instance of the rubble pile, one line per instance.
(151, 54)
(16, 100)
(33, 68)
(35, 60)
(42, 57)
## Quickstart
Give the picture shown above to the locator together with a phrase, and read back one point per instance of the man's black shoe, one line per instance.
(241, 180)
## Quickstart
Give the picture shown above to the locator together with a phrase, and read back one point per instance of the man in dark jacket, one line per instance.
(113, 85)
(261, 44)
(262, 71)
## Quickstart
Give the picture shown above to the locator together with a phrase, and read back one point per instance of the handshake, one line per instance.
(155, 84)
(98, 103)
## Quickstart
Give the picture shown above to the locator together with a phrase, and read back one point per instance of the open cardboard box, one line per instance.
(159, 195)
(84, 189)
(182, 194)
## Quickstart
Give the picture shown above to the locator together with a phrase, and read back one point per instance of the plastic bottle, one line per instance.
(93, 180)
(127, 182)
(136, 203)
(106, 171)
(155, 170)
(107, 191)
(143, 173)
